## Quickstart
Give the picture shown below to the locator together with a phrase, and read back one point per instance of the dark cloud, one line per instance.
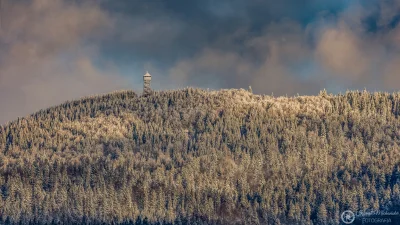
(294, 54)
(267, 63)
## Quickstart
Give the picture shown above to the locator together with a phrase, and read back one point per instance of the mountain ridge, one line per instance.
(224, 156)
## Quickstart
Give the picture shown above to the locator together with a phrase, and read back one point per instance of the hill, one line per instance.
(192, 156)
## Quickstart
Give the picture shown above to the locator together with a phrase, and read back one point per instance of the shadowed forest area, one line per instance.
(196, 157)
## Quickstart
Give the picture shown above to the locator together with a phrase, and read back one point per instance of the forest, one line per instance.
(192, 156)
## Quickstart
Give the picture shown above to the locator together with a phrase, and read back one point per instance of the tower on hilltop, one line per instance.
(146, 83)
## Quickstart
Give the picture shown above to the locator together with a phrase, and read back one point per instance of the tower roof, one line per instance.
(147, 74)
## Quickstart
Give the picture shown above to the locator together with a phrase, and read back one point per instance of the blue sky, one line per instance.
(57, 50)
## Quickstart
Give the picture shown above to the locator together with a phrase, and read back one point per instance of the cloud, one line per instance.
(208, 69)
(55, 50)
(361, 52)
(342, 52)
(50, 55)
(352, 48)
(267, 63)
(391, 73)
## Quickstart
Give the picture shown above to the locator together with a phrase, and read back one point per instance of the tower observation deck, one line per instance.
(146, 83)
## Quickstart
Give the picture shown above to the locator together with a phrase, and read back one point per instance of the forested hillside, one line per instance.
(197, 157)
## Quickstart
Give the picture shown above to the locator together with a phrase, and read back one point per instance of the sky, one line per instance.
(52, 51)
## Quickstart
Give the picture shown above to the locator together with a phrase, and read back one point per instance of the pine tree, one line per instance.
(322, 215)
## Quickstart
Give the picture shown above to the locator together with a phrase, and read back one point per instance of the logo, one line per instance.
(348, 217)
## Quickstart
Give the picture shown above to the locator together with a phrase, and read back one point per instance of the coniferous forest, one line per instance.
(202, 157)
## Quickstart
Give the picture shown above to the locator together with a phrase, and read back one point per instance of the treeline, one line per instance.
(196, 157)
